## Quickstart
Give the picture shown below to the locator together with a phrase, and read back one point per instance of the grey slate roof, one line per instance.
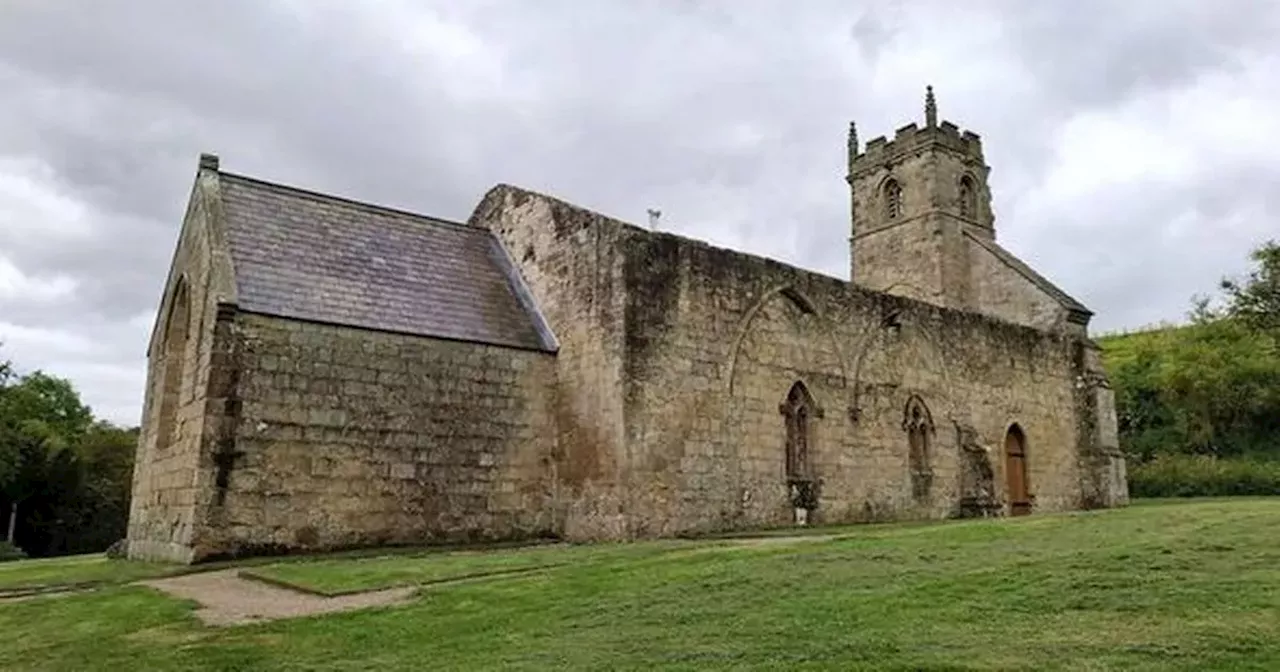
(309, 256)
(1018, 265)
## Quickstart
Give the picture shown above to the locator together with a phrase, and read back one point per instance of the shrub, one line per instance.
(118, 549)
(1204, 476)
(10, 552)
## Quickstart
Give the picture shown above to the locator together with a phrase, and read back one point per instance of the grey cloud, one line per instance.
(619, 110)
(1097, 52)
(1154, 245)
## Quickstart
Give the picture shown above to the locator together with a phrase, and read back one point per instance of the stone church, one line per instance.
(325, 373)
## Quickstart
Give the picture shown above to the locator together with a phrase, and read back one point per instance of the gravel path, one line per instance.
(796, 539)
(227, 599)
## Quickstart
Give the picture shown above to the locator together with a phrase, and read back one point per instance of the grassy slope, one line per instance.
(1120, 348)
(1189, 586)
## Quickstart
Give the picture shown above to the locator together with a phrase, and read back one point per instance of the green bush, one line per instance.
(10, 552)
(1204, 476)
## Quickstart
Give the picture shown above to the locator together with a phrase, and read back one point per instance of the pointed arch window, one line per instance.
(968, 197)
(172, 364)
(892, 199)
(800, 411)
(917, 421)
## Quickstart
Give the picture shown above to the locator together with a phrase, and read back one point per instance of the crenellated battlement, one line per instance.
(913, 138)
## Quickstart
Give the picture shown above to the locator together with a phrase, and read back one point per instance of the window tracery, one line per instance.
(892, 199)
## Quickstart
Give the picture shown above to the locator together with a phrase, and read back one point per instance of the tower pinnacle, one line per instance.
(930, 107)
(853, 144)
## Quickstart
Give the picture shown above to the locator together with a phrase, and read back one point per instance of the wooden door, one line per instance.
(1015, 451)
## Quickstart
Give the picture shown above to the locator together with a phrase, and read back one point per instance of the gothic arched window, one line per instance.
(918, 423)
(172, 366)
(799, 411)
(968, 197)
(892, 199)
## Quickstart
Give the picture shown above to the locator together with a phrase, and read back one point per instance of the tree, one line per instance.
(42, 421)
(1255, 300)
(47, 407)
(10, 439)
(65, 478)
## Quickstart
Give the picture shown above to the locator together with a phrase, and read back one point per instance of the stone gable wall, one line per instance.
(571, 261)
(717, 338)
(167, 475)
(346, 437)
(1003, 292)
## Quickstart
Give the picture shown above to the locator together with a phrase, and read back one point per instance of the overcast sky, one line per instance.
(1133, 154)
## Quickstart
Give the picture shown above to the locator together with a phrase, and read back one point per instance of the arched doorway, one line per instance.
(1015, 471)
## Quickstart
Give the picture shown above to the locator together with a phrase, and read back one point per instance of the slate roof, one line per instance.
(1066, 300)
(310, 256)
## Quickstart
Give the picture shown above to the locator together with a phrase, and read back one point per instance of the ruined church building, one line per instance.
(325, 373)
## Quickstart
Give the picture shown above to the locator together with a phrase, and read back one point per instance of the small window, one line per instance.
(968, 201)
(892, 199)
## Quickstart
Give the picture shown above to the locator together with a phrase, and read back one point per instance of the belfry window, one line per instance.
(892, 199)
(968, 203)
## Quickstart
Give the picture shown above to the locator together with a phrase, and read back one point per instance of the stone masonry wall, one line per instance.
(571, 261)
(1003, 292)
(167, 475)
(903, 260)
(346, 437)
(717, 338)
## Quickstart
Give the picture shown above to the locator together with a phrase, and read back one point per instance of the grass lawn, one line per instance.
(1175, 586)
(339, 576)
(77, 569)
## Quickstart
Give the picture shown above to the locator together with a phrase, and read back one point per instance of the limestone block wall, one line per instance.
(1001, 291)
(346, 437)
(903, 259)
(1107, 484)
(571, 262)
(167, 477)
(716, 339)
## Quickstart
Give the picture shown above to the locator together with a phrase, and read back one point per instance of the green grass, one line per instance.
(75, 570)
(1170, 586)
(338, 576)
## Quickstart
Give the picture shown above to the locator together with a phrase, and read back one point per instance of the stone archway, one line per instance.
(173, 365)
(1017, 484)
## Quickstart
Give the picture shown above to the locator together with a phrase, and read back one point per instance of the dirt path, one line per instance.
(780, 539)
(227, 599)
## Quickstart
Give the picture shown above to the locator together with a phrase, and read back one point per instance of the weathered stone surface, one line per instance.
(348, 437)
(168, 479)
(677, 387)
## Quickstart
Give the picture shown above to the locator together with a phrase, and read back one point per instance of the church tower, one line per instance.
(915, 200)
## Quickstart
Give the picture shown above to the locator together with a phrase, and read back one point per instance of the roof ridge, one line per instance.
(323, 197)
